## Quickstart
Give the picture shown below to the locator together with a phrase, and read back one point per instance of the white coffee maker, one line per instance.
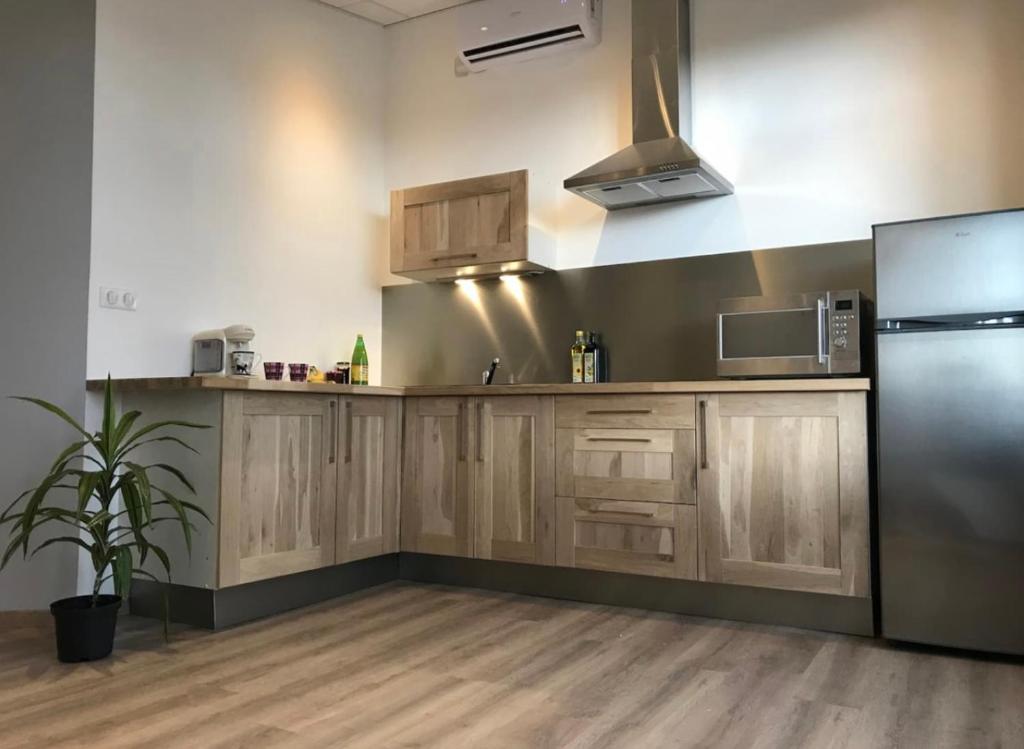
(225, 352)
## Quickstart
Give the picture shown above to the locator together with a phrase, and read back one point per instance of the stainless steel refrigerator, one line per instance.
(950, 354)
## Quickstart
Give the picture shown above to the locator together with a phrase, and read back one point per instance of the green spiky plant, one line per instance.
(97, 468)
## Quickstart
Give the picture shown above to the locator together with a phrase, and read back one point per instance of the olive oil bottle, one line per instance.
(577, 351)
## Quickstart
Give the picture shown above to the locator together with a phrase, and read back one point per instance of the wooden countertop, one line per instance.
(626, 388)
(795, 385)
(242, 383)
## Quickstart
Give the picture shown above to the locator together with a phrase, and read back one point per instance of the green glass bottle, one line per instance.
(360, 363)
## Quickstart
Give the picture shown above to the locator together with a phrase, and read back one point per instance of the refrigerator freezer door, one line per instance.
(951, 487)
(950, 266)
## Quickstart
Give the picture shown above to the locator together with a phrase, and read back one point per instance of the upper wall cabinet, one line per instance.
(466, 228)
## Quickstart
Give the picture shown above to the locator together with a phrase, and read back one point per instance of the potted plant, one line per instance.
(115, 503)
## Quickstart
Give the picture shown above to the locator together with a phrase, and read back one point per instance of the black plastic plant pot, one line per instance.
(85, 632)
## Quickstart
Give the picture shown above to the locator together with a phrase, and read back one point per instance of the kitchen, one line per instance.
(317, 146)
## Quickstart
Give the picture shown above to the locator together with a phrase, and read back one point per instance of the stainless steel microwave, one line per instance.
(795, 335)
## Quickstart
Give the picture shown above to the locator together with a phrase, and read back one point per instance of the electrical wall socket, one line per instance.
(121, 299)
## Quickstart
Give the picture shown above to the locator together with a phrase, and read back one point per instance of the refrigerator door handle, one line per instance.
(822, 332)
(983, 321)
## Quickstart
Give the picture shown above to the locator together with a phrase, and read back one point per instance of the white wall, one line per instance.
(827, 116)
(238, 178)
(244, 148)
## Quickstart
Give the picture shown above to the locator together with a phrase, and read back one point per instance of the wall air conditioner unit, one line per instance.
(497, 32)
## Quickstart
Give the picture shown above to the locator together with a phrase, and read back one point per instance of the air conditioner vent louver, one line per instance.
(496, 32)
(524, 43)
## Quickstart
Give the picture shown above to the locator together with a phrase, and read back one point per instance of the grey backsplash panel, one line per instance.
(657, 319)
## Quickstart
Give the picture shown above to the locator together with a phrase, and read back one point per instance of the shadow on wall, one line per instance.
(656, 318)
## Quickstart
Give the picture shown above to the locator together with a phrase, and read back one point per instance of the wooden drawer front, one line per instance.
(652, 465)
(625, 412)
(643, 538)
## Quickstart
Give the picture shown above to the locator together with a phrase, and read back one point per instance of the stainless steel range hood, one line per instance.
(660, 165)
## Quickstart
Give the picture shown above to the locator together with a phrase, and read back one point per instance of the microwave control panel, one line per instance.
(844, 330)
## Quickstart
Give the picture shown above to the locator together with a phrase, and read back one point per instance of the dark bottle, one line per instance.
(592, 369)
(598, 359)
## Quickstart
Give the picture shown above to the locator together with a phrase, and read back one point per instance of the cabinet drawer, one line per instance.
(626, 412)
(652, 465)
(642, 538)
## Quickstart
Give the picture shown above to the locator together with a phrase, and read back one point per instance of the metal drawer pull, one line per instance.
(622, 512)
(621, 411)
(333, 450)
(348, 431)
(619, 439)
(460, 437)
(480, 432)
(439, 258)
(703, 434)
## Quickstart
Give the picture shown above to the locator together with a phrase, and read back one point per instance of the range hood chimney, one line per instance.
(660, 166)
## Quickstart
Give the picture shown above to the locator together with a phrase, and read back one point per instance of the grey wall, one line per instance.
(46, 96)
(656, 318)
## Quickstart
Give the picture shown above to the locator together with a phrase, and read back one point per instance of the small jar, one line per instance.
(342, 372)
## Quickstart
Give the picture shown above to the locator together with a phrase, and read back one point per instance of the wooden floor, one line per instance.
(409, 665)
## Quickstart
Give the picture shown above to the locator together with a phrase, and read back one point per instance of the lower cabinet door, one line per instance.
(514, 479)
(278, 479)
(643, 538)
(783, 495)
(436, 490)
(369, 446)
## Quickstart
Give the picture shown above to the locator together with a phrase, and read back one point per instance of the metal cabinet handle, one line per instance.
(348, 431)
(822, 332)
(439, 258)
(703, 434)
(479, 431)
(333, 450)
(622, 512)
(621, 411)
(618, 439)
(460, 437)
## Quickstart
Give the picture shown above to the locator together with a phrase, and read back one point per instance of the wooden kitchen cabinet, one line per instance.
(513, 487)
(436, 477)
(468, 226)
(277, 485)
(783, 492)
(368, 460)
(479, 478)
(643, 538)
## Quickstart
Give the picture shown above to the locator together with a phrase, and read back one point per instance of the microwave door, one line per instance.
(764, 337)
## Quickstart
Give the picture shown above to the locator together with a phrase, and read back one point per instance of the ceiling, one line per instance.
(387, 12)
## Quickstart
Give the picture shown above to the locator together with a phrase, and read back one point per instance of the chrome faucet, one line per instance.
(488, 374)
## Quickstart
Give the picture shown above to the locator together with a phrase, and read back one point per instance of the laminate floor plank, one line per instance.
(408, 665)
